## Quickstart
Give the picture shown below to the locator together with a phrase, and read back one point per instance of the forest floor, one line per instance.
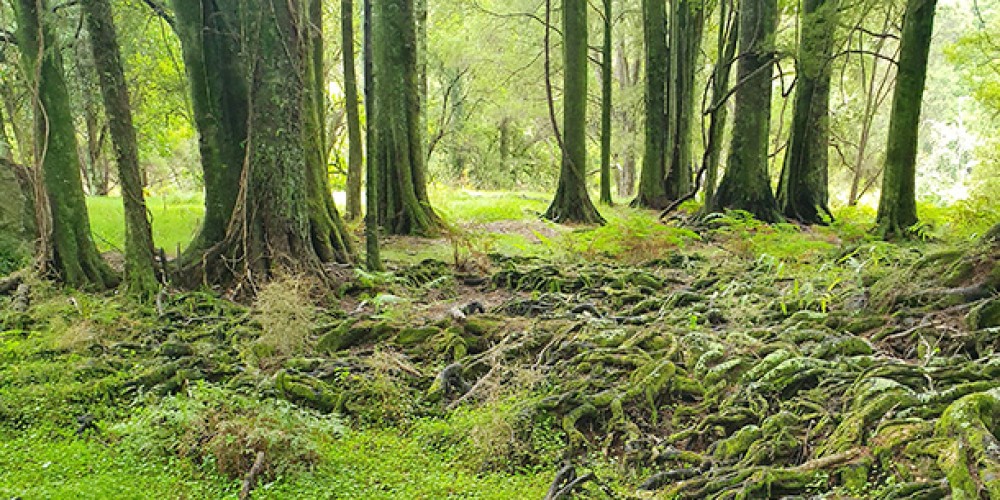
(702, 358)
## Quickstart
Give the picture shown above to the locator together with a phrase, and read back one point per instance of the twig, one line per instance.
(251, 479)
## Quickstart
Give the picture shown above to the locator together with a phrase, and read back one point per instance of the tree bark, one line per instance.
(803, 194)
(727, 42)
(209, 34)
(355, 155)
(329, 236)
(606, 103)
(897, 209)
(373, 258)
(686, 26)
(140, 275)
(261, 63)
(572, 201)
(652, 188)
(67, 242)
(652, 179)
(404, 207)
(746, 184)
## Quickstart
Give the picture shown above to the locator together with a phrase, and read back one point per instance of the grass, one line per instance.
(175, 221)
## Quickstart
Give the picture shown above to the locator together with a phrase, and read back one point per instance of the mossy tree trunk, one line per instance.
(209, 33)
(727, 41)
(373, 258)
(606, 102)
(803, 194)
(572, 201)
(652, 179)
(264, 64)
(687, 22)
(67, 242)
(329, 236)
(404, 207)
(746, 184)
(897, 209)
(355, 160)
(140, 275)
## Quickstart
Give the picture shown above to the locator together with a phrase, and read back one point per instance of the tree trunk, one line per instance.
(606, 104)
(897, 209)
(262, 63)
(686, 26)
(404, 207)
(329, 236)
(652, 180)
(746, 184)
(67, 242)
(373, 258)
(727, 42)
(803, 193)
(140, 275)
(572, 201)
(209, 34)
(355, 153)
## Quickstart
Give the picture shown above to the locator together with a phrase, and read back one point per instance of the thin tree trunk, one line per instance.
(728, 41)
(572, 201)
(70, 249)
(897, 210)
(355, 153)
(686, 27)
(140, 275)
(803, 194)
(373, 258)
(606, 104)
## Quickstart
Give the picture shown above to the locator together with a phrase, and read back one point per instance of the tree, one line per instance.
(687, 22)
(209, 34)
(262, 64)
(67, 244)
(572, 201)
(652, 185)
(803, 193)
(728, 39)
(404, 207)
(606, 103)
(140, 276)
(355, 157)
(746, 184)
(897, 209)
(372, 257)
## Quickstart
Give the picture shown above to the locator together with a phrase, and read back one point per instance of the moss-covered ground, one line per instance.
(702, 358)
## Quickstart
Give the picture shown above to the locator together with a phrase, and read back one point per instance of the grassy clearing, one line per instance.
(175, 221)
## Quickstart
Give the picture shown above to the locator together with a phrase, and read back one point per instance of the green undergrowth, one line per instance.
(703, 357)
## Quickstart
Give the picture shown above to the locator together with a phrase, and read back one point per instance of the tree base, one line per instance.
(761, 204)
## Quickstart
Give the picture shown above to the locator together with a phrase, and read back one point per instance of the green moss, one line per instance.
(985, 315)
(411, 336)
(306, 391)
(353, 333)
(971, 460)
(735, 447)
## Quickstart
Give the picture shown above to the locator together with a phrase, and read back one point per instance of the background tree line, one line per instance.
(773, 107)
